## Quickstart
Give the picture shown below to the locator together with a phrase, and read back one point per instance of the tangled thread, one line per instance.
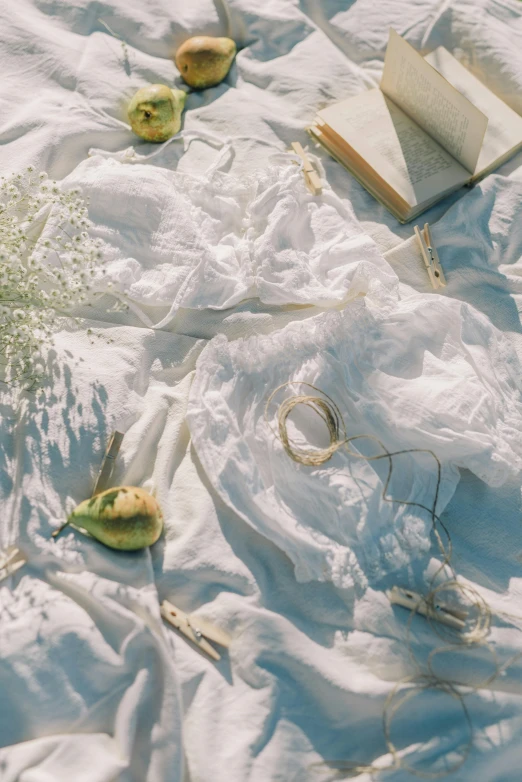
(476, 628)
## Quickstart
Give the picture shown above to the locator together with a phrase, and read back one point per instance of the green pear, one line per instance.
(155, 112)
(125, 518)
(204, 61)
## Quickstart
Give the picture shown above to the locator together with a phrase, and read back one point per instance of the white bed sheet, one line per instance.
(93, 686)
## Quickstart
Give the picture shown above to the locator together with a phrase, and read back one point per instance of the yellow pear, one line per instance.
(204, 61)
(125, 518)
(155, 112)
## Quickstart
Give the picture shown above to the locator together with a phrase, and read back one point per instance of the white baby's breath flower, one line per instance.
(41, 279)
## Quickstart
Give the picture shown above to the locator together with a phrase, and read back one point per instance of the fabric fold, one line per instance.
(418, 372)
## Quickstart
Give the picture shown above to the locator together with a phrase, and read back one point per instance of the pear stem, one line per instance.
(57, 531)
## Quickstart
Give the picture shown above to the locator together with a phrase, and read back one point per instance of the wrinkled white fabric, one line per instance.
(479, 241)
(176, 240)
(310, 667)
(82, 645)
(416, 373)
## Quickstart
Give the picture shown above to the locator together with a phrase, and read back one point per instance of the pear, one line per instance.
(125, 518)
(155, 112)
(204, 61)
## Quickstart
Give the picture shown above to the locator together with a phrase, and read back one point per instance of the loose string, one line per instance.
(329, 412)
(475, 631)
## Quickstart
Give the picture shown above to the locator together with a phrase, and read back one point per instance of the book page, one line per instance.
(504, 131)
(429, 99)
(398, 150)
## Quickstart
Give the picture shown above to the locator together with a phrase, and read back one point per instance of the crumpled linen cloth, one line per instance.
(89, 686)
(174, 240)
(420, 372)
(311, 665)
(479, 241)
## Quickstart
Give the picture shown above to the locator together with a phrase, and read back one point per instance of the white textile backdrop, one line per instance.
(93, 686)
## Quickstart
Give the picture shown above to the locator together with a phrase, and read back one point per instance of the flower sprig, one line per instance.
(48, 265)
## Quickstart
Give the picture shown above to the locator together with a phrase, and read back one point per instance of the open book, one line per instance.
(430, 128)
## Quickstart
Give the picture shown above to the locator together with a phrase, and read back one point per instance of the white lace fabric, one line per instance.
(175, 240)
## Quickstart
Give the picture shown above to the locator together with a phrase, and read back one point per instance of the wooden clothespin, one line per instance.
(415, 602)
(108, 462)
(430, 257)
(11, 560)
(194, 629)
(312, 178)
(107, 466)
